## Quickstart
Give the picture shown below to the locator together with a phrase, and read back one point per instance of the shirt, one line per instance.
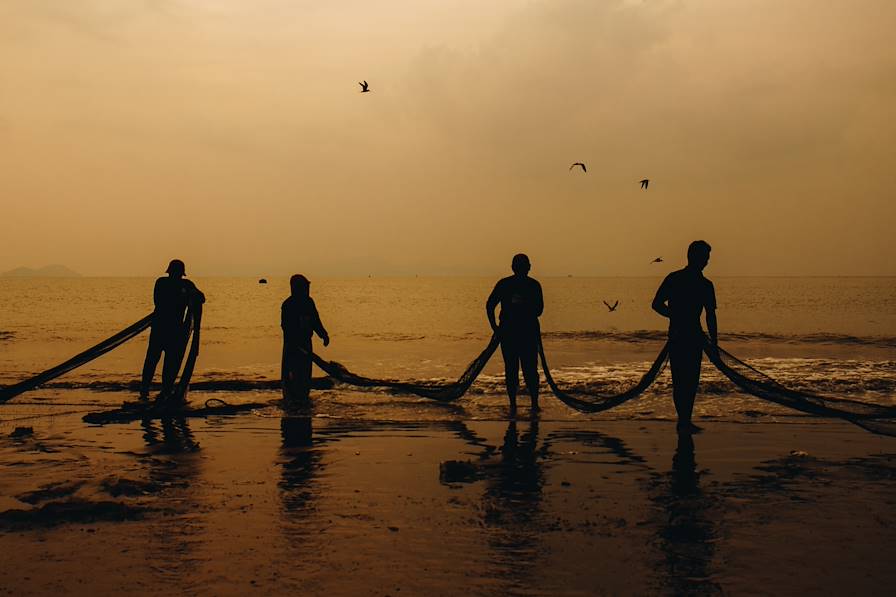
(299, 319)
(687, 293)
(521, 301)
(171, 297)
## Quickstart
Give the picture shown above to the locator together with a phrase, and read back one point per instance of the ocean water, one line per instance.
(830, 335)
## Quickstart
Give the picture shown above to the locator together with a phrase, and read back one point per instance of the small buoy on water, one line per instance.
(22, 432)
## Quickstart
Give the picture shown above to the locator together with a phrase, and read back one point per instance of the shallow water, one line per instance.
(829, 335)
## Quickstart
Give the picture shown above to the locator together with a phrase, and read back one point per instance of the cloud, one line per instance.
(753, 120)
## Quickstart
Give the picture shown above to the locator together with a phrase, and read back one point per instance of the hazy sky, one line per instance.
(232, 134)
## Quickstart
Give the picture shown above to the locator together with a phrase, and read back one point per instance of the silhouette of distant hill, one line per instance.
(48, 271)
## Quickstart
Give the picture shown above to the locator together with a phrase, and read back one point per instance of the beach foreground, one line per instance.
(326, 506)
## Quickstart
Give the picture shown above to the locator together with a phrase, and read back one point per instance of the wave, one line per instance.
(643, 336)
(392, 337)
(879, 386)
(217, 385)
(7, 335)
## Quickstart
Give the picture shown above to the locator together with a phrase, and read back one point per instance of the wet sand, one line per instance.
(322, 506)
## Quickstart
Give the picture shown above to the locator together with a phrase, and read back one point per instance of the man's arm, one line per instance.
(661, 300)
(539, 300)
(319, 326)
(712, 326)
(157, 293)
(196, 295)
(492, 302)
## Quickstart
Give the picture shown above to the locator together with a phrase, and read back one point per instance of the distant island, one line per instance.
(48, 271)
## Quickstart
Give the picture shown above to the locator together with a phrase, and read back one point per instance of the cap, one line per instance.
(176, 267)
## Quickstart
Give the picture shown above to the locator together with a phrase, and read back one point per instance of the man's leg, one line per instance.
(285, 373)
(175, 346)
(685, 358)
(296, 374)
(529, 364)
(303, 373)
(153, 354)
(511, 369)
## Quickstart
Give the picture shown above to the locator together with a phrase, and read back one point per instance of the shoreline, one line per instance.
(348, 506)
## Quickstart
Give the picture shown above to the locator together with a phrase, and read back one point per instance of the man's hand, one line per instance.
(326, 340)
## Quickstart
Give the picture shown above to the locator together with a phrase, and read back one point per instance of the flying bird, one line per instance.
(584, 169)
(657, 260)
(611, 307)
(644, 183)
(364, 87)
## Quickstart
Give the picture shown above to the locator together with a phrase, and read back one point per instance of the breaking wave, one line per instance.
(638, 336)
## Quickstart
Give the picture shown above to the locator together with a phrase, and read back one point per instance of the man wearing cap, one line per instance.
(299, 319)
(521, 303)
(170, 328)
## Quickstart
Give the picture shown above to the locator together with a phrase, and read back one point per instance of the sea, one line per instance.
(829, 335)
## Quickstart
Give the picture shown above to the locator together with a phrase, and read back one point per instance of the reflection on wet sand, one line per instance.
(299, 465)
(687, 533)
(172, 467)
(511, 505)
(174, 437)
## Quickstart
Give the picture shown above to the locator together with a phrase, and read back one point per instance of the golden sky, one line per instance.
(232, 134)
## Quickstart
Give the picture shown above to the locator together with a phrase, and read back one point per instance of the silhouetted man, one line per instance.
(682, 297)
(170, 327)
(299, 320)
(521, 303)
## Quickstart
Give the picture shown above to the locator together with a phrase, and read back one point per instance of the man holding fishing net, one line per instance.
(521, 303)
(682, 297)
(299, 319)
(170, 331)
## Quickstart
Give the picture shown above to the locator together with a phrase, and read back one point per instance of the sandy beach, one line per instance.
(234, 505)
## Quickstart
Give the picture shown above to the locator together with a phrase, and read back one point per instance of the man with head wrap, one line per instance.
(299, 320)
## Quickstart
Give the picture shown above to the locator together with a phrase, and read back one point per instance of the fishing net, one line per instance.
(441, 391)
(194, 318)
(94, 352)
(873, 417)
(591, 402)
(449, 391)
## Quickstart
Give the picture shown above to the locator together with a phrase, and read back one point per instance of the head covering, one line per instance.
(176, 266)
(299, 284)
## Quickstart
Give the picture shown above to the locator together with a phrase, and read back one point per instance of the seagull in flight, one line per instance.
(611, 307)
(364, 87)
(657, 260)
(644, 183)
(584, 169)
